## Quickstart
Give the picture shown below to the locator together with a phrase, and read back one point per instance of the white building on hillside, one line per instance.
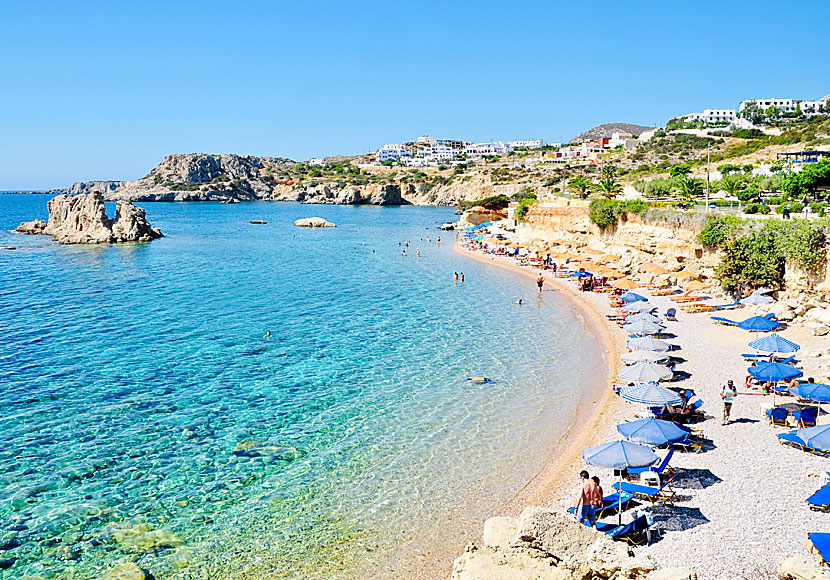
(712, 116)
(783, 105)
(622, 138)
(482, 149)
(427, 140)
(391, 152)
(528, 144)
(316, 161)
(437, 153)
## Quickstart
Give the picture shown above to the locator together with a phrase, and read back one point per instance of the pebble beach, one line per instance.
(740, 504)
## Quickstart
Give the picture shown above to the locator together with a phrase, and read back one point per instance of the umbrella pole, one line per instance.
(619, 502)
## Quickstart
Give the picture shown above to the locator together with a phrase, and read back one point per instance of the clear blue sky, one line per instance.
(104, 90)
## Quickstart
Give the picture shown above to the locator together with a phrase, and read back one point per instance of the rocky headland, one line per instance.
(82, 219)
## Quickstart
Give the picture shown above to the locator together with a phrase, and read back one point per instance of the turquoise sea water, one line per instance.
(130, 374)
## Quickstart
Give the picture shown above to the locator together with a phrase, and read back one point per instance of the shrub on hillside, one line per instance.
(751, 208)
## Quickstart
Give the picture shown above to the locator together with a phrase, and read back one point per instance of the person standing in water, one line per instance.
(455, 276)
(462, 276)
(540, 281)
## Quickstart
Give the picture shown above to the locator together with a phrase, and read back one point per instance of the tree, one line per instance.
(680, 170)
(729, 168)
(609, 187)
(752, 113)
(688, 190)
(609, 171)
(747, 169)
(732, 184)
(581, 185)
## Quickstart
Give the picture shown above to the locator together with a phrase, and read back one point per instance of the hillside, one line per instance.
(607, 129)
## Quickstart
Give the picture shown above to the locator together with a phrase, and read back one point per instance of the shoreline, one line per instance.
(565, 457)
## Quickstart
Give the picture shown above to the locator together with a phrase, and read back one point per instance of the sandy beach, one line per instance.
(740, 503)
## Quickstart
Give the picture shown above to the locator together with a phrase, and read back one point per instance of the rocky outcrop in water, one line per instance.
(313, 222)
(82, 219)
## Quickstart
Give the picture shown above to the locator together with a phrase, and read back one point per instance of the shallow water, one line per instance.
(130, 374)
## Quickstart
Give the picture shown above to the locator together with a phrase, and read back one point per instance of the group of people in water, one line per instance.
(417, 250)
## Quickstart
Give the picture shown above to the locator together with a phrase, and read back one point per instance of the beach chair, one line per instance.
(806, 417)
(652, 494)
(821, 499)
(726, 306)
(749, 357)
(791, 440)
(671, 314)
(610, 503)
(679, 297)
(820, 546)
(634, 533)
(724, 321)
(778, 416)
(695, 308)
(664, 466)
(689, 444)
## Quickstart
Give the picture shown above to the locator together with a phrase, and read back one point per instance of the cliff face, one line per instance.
(83, 219)
(198, 177)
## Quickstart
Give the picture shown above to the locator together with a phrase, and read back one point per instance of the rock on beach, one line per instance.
(313, 222)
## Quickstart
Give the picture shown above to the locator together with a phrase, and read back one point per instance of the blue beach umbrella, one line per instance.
(758, 324)
(649, 343)
(756, 298)
(581, 274)
(644, 316)
(643, 327)
(817, 437)
(774, 343)
(816, 392)
(638, 306)
(636, 356)
(774, 372)
(651, 394)
(630, 296)
(651, 431)
(619, 455)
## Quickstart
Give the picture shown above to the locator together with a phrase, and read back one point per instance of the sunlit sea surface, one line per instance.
(146, 419)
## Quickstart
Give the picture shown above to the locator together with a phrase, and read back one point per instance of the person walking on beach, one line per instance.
(728, 394)
(584, 507)
(540, 281)
(598, 494)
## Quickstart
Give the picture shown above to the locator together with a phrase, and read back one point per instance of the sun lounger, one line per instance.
(696, 308)
(748, 356)
(821, 499)
(726, 306)
(671, 314)
(724, 321)
(683, 296)
(683, 299)
(688, 444)
(791, 439)
(820, 545)
(664, 466)
(806, 417)
(633, 533)
(610, 503)
(778, 416)
(652, 494)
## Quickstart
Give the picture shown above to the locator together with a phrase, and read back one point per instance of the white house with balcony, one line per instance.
(482, 149)
(622, 139)
(528, 144)
(437, 153)
(713, 116)
(783, 105)
(392, 152)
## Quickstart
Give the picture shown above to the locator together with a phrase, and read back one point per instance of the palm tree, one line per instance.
(688, 189)
(581, 185)
(609, 187)
(732, 184)
(609, 171)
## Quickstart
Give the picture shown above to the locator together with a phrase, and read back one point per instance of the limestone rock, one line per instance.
(821, 315)
(313, 222)
(492, 564)
(801, 568)
(82, 219)
(672, 574)
(816, 328)
(33, 227)
(786, 315)
(501, 531)
(126, 571)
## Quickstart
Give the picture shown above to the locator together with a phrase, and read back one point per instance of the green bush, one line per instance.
(602, 213)
(524, 203)
(764, 209)
(751, 208)
(751, 261)
(780, 209)
(818, 207)
(718, 229)
(796, 207)
(775, 200)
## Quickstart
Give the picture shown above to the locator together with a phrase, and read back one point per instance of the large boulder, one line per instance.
(544, 545)
(801, 568)
(313, 222)
(821, 315)
(82, 219)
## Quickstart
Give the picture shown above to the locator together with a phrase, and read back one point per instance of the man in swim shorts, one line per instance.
(540, 282)
(586, 499)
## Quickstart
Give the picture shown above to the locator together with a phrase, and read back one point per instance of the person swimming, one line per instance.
(267, 334)
(519, 301)
(478, 379)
